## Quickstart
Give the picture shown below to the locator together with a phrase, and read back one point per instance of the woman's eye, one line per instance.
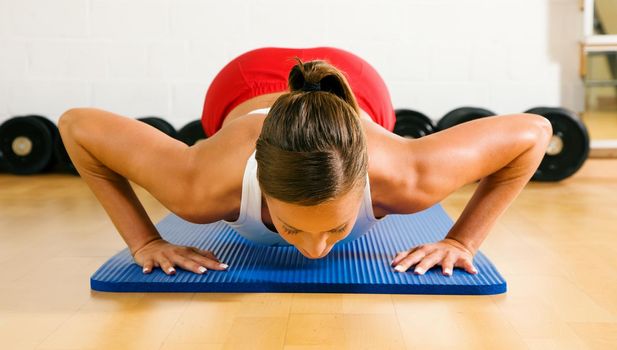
(292, 232)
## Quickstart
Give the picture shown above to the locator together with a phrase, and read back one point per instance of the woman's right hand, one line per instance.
(160, 253)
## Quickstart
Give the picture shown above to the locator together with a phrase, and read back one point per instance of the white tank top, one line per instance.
(250, 226)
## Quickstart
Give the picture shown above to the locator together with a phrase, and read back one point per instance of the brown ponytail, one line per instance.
(312, 147)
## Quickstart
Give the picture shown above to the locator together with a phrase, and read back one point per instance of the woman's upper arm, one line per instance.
(445, 161)
(136, 151)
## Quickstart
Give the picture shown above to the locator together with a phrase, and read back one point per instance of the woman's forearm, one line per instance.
(493, 196)
(113, 191)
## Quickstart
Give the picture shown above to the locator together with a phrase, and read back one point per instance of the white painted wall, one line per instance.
(157, 57)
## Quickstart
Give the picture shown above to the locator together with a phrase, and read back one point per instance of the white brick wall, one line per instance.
(66, 60)
(48, 19)
(4, 92)
(210, 20)
(13, 59)
(139, 98)
(120, 19)
(157, 57)
(47, 97)
(4, 17)
(126, 60)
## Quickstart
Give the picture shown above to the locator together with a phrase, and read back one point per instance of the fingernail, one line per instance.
(224, 266)
(391, 262)
(399, 268)
(171, 269)
(202, 269)
(145, 269)
(419, 271)
(448, 272)
(474, 270)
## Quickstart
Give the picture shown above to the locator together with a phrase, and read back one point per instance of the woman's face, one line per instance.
(315, 229)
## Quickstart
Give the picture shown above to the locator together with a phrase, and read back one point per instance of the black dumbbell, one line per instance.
(61, 161)
(568, 148)
(53, 128)
(412, 124)
(160, 124)
(191, 133)
(462, 115)
(2, 163)
(65, 164)
(26, 143)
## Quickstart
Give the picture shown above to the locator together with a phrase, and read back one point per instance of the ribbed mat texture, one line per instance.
(360, 266)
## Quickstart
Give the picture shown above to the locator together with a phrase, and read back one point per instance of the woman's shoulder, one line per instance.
(220, 162)
(392, 177)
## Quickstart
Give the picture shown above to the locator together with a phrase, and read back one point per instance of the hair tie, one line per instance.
(311, 86)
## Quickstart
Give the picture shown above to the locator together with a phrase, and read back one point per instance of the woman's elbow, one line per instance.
(68, 121)
(537, 129)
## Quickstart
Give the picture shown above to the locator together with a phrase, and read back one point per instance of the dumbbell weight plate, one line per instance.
(26, 144)
(2, 162)
(568, 148)
(160, 124)
(191, 133)
(462, 115)
(412, 124)
(60, 156)
(55, 135)
(64, 160)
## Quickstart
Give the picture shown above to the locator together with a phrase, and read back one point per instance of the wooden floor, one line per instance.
(601, 125)
(556, 246)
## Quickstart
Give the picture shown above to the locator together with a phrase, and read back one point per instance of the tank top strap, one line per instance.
(249, 224)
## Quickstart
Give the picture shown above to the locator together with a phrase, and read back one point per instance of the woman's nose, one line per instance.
(316, 248)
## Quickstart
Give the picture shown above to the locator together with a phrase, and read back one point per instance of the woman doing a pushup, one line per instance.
(300, 151)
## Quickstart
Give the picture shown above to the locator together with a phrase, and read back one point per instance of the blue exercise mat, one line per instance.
(360, 266)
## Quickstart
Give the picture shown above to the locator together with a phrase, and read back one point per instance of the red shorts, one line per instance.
(265, 70)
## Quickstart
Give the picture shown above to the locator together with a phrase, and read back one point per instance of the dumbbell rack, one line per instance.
(599, 148)
(593, 44)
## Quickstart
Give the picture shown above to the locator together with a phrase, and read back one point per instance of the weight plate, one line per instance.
(61, 157)
(569, 146)
(13, 145)
(160, 124)
(191, 133)
(66, 164)
(2, 162)
(55, 134)
(412, 124)
(462, 115)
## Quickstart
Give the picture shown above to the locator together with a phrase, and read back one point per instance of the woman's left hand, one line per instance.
(448, 253)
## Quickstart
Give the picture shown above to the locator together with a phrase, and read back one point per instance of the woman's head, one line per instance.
(311, 154)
